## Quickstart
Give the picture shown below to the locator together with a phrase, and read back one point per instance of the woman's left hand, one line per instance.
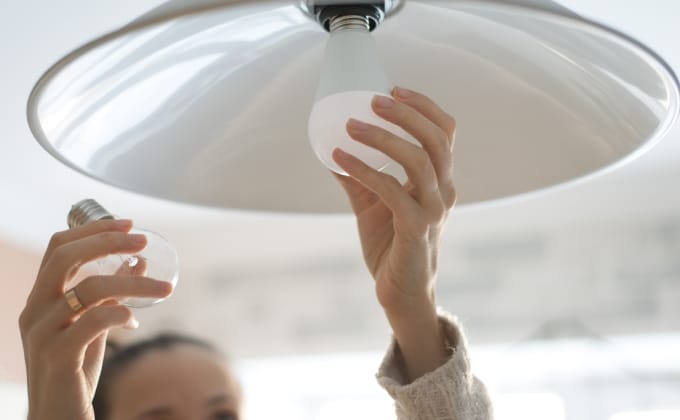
(400, 226)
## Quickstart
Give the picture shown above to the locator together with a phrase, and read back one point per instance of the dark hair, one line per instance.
(118, 358)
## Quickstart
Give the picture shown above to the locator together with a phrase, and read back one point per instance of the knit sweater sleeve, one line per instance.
(450, 392)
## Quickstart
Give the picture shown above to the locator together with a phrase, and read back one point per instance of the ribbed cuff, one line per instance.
(449, 392)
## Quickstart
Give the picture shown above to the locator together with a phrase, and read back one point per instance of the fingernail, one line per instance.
(131, 324)
(383, 102)
(402, 93)
(356, 125)
(164, 287)
(123, 222)
(340, 154)
(138, 239)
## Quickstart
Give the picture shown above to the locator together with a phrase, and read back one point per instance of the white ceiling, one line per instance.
(220, 247)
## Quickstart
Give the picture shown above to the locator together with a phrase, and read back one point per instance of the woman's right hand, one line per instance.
(64, 349)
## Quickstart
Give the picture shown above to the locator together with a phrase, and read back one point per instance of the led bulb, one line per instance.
(158, 260)
(352, 75)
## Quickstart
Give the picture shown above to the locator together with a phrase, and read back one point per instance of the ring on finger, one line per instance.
(73, 301)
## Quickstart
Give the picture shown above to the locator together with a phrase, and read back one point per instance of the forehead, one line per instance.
(183, 377)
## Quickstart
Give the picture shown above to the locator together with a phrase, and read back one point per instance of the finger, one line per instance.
(415, 161)
(110, 290)
(67, 259)
(57, 319)
(429, 109)
(64, 237)
(429, 133)
(388, 188)
(98, 289)
(359, 196)
(432, 137)
(102, 290)
(91, 325)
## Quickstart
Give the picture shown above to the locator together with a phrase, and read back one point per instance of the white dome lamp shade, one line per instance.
(209, 101)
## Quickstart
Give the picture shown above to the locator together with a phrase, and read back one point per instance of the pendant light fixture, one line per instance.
(209, 101)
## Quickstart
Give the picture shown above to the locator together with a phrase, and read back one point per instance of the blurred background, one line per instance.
(570, 299)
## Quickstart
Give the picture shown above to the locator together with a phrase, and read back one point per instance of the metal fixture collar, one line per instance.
(375, 11)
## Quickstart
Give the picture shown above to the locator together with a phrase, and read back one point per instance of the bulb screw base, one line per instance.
(86, 211)
(361, 16)
(351, 22)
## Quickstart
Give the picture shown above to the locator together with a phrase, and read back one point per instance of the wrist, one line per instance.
(410, 321)
(414, 320)
(399, 306)
(49, 414)
(50, 402)
(396, 300)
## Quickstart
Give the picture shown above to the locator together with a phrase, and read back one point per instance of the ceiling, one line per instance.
(267, 283)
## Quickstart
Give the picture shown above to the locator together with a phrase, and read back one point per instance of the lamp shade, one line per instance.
(207, 102)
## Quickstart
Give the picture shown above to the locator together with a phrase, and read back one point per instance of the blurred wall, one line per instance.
(18, 268)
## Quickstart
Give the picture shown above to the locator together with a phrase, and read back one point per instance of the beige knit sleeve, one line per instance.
(450, 392)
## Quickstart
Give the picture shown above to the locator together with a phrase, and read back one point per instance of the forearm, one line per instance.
(421, 340)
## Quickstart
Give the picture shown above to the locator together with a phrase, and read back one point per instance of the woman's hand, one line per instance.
(63, 348)
(400, 226)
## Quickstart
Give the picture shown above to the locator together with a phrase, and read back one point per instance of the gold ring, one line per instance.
(73, 301)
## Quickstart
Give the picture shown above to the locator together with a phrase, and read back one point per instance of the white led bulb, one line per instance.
(352, 75)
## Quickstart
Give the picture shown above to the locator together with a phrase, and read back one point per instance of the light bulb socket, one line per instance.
(349, 22)
(86, 211)
(340, 17)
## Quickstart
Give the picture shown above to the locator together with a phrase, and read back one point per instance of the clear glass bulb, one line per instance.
(158, 260)
(352, 75)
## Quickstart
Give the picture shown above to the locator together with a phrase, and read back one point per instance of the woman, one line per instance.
(426, 369)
